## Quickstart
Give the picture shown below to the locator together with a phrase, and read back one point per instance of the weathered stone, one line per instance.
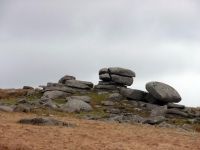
(122, 80)
(151, 106)
(67, 77)
(173, 113)
(82, 91)
(55, 94)
(133, 94)
(115, 97)
(19, 108)
(108, 88)
(107, 103)
(134, 103)
(22, 101)
(103, 70)
(48, 103)
(31, 93)
(105, 77)
(106, 83)
(194, 121)
(45, 121)
(150, 99)
(163, 92)
(86, 99)
(50, 84)
(64, 89)
(6, 108)
(159, 111)
(172, 105)
(187, 127)
(192, 112)
(121, 71)
(137, 109)
(79, 84)
(76, 105)
(28, 87)
(112, 110)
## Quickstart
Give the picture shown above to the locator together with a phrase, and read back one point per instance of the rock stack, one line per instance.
(114, 79)
(66, 86)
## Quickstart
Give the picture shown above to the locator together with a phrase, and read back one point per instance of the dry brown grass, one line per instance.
(12, 93)
(90, 135)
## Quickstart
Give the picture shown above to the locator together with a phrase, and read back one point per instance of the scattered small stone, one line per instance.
(112, 110)
(22, 101)
(45, 122)
(107, 103)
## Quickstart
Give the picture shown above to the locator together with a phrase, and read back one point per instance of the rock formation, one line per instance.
(114, 79)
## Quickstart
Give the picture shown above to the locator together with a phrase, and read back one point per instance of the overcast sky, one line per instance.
(41, 41)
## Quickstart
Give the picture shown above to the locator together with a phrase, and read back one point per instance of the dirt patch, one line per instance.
(90, 135)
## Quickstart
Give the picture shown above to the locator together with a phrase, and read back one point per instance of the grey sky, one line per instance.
(41, 41)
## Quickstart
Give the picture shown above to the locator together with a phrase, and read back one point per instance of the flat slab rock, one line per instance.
(163, 92)
(121, 71)
(45, 122)
(122, 79)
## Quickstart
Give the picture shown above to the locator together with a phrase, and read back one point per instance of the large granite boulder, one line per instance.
(121, 71)
(75, 105)
(79, 84)
(55, 94)
(163, 92)
(63, 88)
(67, 77)
(121, 79)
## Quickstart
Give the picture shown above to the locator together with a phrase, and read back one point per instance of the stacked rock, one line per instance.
(114, 79)
(66, 86)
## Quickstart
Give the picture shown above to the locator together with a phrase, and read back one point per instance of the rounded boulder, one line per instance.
(163, 92)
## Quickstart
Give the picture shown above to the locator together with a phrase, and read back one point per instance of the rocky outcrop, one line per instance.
(163, 92)
(114, 79)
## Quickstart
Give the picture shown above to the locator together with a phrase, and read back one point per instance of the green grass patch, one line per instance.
(59, 101)
(10, 101)
(37, 96)
(177, 121)
(95, 98)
